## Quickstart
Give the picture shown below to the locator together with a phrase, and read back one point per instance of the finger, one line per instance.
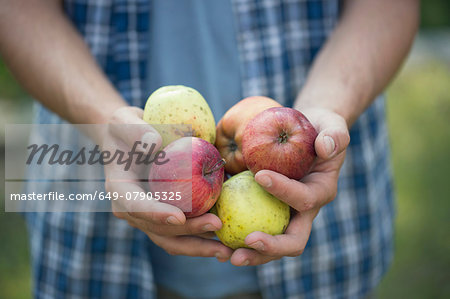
(333, 137)
(294, 193)
(267, 248)
(128, 126)
(315, 190)
(193, 226)
(118, 212)
(150, 210)
(331, 142)
(291, 243)
(192, 246)
(249, 257)
(133, 169)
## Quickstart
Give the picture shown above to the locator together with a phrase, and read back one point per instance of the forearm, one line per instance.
(361, 56)
(49, 58)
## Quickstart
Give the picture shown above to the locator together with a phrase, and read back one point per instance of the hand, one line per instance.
(306, 197)
(164, 224)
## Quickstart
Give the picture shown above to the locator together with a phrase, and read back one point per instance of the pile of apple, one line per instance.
(257, 133)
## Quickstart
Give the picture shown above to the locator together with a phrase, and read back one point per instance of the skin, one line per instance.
(70, 83)
(360, 58)
(357, 62)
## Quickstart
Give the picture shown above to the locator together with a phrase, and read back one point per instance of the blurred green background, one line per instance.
(419, 120)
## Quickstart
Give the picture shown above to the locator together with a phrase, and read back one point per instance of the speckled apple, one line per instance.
(245, 207)
(180, 105)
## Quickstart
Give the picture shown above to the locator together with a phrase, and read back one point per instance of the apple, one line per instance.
(192, 175)
(244, 207)
(231, 126)
(282, 140)
(184, 109)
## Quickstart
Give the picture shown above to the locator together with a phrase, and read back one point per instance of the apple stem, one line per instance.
(221, 163)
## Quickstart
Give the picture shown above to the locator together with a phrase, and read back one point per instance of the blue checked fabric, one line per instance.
(95, 255)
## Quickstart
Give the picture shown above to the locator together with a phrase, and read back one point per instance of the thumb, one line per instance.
(332, 139)
(127, 125)
(331, 142)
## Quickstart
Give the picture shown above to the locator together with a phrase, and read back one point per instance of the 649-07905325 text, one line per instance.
(97, 195)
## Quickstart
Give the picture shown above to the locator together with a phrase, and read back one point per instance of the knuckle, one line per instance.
(308, 204)
(120, 215)
(132, 224)
(276, 258)
(347, 138)
(296, 253)
(342, 137)
(133, 214)
(341, 120)
(116, 117)
(172, 251)
(269, 249)
(332, 195)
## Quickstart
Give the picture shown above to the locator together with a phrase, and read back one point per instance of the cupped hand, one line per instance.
(164, 224)
(305, 197)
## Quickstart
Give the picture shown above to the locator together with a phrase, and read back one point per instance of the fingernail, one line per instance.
(258, 245)
(209, 227)
(265, 181)
(245, 263)
(329, 145)
(219, 255)
(173, 220)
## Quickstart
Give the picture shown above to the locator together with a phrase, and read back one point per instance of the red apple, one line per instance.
(280, 139)
(192, 177)
(230, 128)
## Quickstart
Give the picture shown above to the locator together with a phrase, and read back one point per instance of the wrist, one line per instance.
(95, 108)
(337, 100)
(347, 96)
(317, 110)
(99, 120)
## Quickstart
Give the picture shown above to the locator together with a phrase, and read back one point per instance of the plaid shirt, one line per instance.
(82, 255)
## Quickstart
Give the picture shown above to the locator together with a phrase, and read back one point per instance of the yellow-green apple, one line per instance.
(231, 126)
(180, 105)
(245, 207)
(280, 139)
(190, 177)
